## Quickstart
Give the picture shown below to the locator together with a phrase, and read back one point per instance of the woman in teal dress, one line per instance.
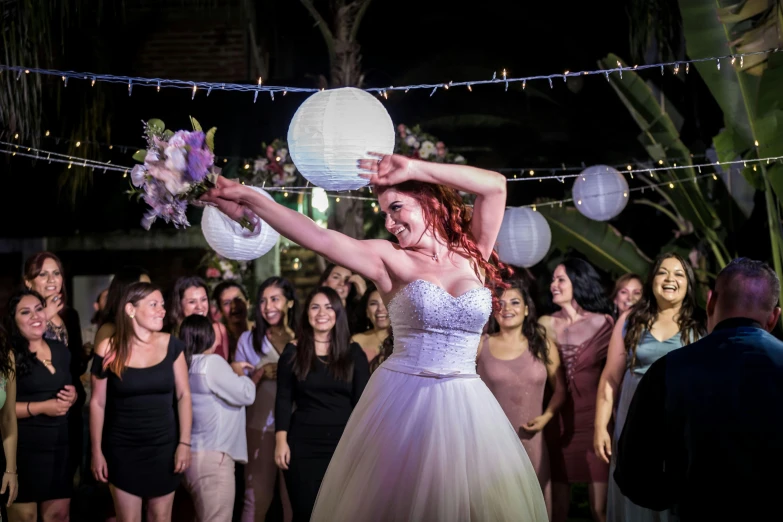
(666, 318)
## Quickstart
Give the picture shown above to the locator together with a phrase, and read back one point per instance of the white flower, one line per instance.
(138, 175)
(178, 140)
(282, 154)
(228, 274)
(225, 266)
(427, 149)
(459, 159)
(176, 159)
(260, 164)
(410, 141)
(289, 168)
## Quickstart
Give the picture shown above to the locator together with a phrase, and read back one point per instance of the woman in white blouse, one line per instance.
(220, 393)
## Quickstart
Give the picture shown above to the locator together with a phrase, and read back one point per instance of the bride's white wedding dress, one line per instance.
(427, 440)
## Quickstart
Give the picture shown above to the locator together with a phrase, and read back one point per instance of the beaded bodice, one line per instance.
(435, 333)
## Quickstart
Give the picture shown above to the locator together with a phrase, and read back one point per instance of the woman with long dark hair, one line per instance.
(324, 374)
(44, 398)
(373, 326)
(518, 363)
(139, 377)
(666, 318)
(220, 394)
(8, 426)
(261, 348)
(123, 278)
(425, 400)
(43, 272)
(580, 329)
(351, 288)
(191, 296)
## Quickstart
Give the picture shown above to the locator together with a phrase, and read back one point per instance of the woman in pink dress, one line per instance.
(516, 363)
(581, 329)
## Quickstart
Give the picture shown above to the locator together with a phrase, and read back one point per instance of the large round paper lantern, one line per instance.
(229, 239)
(600, 192)
(334, 129)
(524, 237)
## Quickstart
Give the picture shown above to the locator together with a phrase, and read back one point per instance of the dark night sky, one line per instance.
(403, 42)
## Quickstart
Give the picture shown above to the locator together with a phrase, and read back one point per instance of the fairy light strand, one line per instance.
(254, 88)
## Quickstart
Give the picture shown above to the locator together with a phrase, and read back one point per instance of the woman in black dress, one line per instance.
(43, 272)
(44, 395)
(324, 375)
(136, 446)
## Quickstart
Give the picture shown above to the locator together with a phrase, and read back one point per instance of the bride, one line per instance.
(427, 440)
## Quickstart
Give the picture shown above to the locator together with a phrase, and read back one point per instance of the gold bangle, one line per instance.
(11, 472)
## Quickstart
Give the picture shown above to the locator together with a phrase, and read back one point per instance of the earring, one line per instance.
(132, 315)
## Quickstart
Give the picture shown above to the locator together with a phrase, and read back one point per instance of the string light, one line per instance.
(189, 84)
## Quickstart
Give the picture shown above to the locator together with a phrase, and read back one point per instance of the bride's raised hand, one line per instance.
(227, 196)
(386, 170)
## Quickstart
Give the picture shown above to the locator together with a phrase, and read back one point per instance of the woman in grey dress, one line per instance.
(666, 318)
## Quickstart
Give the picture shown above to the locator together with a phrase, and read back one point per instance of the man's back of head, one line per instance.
(745, 288)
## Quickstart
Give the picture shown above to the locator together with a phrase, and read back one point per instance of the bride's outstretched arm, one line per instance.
(364, 257)
(489, 188)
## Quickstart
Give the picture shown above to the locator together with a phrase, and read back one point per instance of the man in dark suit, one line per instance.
(704, 433)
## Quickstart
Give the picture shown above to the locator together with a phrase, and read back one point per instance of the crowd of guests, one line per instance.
(235, 406)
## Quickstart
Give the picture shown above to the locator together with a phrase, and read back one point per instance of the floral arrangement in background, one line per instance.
(415, 143)
(176, 168)
(276, 166)
(218, 269)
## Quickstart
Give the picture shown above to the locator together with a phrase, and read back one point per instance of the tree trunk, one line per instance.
(347, 215)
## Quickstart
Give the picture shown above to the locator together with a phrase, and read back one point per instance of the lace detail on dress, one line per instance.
(435, 333)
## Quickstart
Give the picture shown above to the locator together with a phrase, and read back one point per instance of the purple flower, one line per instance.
(199, 162)
(195, 140)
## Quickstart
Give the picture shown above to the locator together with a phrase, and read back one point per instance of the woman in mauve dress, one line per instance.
(581, 329)
(516, 363)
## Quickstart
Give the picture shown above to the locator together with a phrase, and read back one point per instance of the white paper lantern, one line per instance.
(524, 237)
(600, 192)
(332, 130)
(229, 239)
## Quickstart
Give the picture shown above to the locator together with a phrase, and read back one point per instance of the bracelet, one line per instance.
(11, 472)
(28, 410)
(185, 444)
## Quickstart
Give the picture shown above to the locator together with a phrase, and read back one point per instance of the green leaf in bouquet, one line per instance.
(196, 124)
(140, 155)
(155, 127)
(211, 139)
(168, 134)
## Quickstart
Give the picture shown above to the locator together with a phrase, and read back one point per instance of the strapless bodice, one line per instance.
(435, 333)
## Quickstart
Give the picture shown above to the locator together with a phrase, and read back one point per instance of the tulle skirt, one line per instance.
(429, 449)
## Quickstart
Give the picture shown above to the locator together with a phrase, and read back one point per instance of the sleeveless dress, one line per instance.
(519, 384)
(649, 350)
(569, 434)
(42, 454)
(428, 441)
(140, 432)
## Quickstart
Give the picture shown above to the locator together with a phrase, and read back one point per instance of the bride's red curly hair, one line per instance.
(448, 217)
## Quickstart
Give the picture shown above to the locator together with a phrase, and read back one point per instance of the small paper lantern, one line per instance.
(524, 237)
(229, 239)
(600, 192)
(332, 130)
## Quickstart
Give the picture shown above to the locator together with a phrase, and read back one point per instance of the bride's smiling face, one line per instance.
(404, 217)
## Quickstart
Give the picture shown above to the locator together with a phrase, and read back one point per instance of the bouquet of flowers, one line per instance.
(177, 168)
